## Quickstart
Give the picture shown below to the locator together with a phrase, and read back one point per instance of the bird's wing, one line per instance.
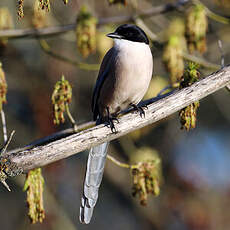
(106, 65)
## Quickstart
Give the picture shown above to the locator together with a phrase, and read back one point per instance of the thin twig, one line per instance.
(200, 61)
(47, 49)
(3, 175)
(213, 15)
(71, 118)
(221, 52)
(7, 143)
(4, 126)
(222, 59)
(139, 22)
(6, 185)
(120, 164)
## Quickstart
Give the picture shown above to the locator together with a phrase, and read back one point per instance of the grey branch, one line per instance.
(55, 30)
(157, 110)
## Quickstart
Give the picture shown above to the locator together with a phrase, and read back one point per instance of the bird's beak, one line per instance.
(114, 35)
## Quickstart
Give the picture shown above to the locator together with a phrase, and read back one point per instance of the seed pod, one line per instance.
(3, 87)
(147, 174)
(176, 27)
(39, 19)
(6, 23)
(196, 28)
(173, 59)
(34, 186)
(44, 4)
(176, 45)
(188, 115)
(20, 8)
(61, 97)
(86, 32)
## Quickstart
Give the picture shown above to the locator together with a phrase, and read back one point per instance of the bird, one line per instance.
(123, 79)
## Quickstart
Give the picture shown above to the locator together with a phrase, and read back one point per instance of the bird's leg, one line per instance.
(110, 119)
(139, 109)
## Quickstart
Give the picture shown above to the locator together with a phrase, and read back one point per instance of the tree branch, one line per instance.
(4, 126)
(120, 164)
(201, 61)
(59, 149)
(85, 66)
(55, 30)
(212, 15)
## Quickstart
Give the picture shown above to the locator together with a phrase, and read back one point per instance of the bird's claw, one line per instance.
(110, 121)
(145, 106)
(140, 109)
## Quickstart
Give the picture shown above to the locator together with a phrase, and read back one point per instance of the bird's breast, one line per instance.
(133, 72)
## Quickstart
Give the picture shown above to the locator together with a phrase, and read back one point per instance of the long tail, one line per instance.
(93, 177)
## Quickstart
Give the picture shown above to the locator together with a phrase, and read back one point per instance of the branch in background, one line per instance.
(221, 52)
(120, 164)
(4, 163)
(73, 122)
(3, 151)
(222, 59)
(55, 30)
(36, 33)
(46, 48)
(212, 15)
(42, 155)
(4, 126)
(139, 22)
(201, 61)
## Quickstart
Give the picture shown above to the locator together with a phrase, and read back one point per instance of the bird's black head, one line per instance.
(130, 32)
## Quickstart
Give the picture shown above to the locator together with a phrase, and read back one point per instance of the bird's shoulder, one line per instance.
(107, 61)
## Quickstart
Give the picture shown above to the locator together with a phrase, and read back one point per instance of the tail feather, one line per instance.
(93, 178)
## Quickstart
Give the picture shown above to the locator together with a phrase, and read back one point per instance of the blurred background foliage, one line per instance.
(191, 168)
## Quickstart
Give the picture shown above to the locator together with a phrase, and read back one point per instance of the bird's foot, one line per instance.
(140, 109)
(110, 121)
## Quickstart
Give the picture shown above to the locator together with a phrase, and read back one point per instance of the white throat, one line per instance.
(126, 44)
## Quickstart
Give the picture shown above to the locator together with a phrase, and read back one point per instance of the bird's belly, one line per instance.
(130, 87)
